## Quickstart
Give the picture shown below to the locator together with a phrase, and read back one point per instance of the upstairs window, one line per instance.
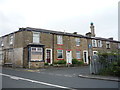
(99, 43)
(119, 45)
(60, 54)
(59, 39)
(77, 41)
(107, 45)
(36, 37)
(11, 39)
(78, 56)
(1, 43)
(94, 43)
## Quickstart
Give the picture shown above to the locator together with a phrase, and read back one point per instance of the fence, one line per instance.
(102, 61)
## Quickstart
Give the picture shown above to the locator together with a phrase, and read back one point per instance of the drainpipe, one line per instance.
(29, 56)
(53, 49)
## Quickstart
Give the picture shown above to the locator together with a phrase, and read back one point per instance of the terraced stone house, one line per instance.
(32, 47)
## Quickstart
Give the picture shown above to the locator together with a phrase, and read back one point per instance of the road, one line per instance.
(52, 78)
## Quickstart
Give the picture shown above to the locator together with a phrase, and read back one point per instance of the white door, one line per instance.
(69, 57)
(48, 58)
(85, 56)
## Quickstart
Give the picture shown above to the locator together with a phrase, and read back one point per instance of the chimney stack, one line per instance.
(92, 29)
(75, 33)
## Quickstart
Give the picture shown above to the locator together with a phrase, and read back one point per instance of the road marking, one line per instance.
(59, 75)
(16, 78)
(50, 74)
(20, 78)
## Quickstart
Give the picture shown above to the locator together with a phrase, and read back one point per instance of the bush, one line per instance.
(74, 61)
(113, 69)
(45, 63)
(110, 63)
(80, 63)
(60, 62)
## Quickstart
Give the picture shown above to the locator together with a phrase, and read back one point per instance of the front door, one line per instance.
(49, 56)
(69, 57)
(85, 56)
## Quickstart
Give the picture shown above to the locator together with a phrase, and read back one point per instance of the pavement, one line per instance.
(84, 72)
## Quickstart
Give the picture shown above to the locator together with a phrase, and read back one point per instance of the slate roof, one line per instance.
(61, 33)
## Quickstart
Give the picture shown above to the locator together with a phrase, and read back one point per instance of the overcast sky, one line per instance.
(59, 15)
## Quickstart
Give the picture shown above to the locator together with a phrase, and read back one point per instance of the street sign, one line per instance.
(89, 46)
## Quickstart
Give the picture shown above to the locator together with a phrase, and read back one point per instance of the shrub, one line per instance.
(80, 63)
(60, 62)
(74, 61)
(45, 63)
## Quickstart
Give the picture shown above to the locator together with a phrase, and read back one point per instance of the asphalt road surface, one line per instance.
(52, 78)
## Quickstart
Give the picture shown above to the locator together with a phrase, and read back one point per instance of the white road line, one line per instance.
(20, 78)
(59, 75)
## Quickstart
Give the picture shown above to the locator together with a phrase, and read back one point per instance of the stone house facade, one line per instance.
(32, 47)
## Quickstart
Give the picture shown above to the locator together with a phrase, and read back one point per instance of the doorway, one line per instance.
(69, 57)
(85, 56)
(48, 56)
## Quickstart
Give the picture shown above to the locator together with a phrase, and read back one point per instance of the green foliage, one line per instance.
(51, 64)
(111, 63)
(80, 62)
(45, 63)
(113, 69)
(60, 62)
(75, 61)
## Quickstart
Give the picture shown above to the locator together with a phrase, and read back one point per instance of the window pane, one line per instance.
(78, 54)
(36, 54)
(94, 43)
(77, 41)
(36, 38)
(11, 39)
(59, 39)
(59, 53)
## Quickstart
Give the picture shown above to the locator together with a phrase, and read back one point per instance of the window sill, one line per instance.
(95, 47)
(60, 44)
(79, 59)
(60, 59)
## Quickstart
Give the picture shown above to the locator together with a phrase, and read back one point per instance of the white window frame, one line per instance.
(94, 43)
(1, 56)
(36, 37)
(107, 43)
(36, 50)
(118, 45)
(99, 43)
(2, 44)
(78, 54)
(77, 41)
(11, 39)
(59, 39)
(59, 52)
